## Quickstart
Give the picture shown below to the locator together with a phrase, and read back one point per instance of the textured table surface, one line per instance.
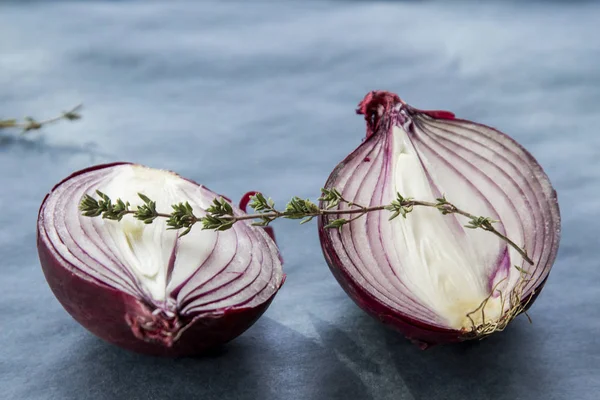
(243, 97)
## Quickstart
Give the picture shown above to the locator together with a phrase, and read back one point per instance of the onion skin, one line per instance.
(111, 314)
(374, 107)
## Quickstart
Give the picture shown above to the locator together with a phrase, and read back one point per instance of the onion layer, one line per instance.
(141, 286)
(426, 274)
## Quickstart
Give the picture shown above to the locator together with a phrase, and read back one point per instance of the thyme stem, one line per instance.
(276, 214)
(220, 215)
(29, 124)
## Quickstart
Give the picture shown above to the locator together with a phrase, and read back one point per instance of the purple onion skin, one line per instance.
(421, 334)
(104, 310)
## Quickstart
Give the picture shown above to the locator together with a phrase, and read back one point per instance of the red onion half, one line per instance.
(426, 274)
(141, 286)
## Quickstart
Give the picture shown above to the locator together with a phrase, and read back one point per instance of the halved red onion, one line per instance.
(143, 287)
(426, 274)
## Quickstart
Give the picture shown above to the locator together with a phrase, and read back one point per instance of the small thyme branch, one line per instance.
(30, 124)
(332, 198)
(220, 216)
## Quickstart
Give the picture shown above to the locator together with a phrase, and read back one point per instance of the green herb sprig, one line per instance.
(31, 124)
(220, 215)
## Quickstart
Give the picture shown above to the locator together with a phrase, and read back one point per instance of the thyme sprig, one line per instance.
(31, 124)
(220, 215)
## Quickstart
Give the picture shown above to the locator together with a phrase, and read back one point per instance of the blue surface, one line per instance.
(262, 96)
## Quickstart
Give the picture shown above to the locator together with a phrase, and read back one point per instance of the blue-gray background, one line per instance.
(261, 95)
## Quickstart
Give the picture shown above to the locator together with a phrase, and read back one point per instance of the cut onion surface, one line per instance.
(427, 274)
(141, 286)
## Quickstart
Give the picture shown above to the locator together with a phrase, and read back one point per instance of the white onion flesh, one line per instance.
(442, 260)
